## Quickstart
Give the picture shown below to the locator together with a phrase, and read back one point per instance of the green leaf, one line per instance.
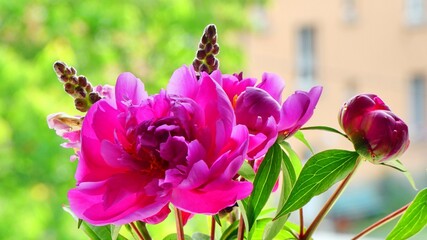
(295, 161)
(264, 182)
(290, 231)
(247, 171)
(396, 164)
(95, 232)
(115, 230)
(413, 220)
(173, 236)
(231, 232)
(200, 236)
(243, 208)
(289, 177)
(217, 219)
(325, 128)
(319, 173)
(258, 229)
(300, 136)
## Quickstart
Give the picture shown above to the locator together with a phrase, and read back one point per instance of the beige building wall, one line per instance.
(360, 46)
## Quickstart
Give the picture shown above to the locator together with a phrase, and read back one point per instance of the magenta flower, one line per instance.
(139, 153)
(297, 110)
(377, 134)
(258, 107)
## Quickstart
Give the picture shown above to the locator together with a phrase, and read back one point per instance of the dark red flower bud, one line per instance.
(377, 134)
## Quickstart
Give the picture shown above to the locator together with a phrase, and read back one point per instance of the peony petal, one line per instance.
(212, 201)
(198, 175)
(273, 84)
(129, 90)
(218, 116)
(158, 217)
(183, 82)
(93, 202)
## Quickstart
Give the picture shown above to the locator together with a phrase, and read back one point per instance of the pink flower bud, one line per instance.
(377, 134)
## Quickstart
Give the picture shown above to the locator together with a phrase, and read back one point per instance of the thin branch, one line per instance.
(241, 229)
(136, 230)
(381, 222)
(179, 224)
(301, 222)
(213, 223)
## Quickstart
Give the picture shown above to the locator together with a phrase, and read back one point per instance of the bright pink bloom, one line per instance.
(139, 153)
(259, 107)
(297, 110)
(377, 133)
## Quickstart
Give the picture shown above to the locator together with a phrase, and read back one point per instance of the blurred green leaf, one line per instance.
(413, 220)
(319, 173)
(173, 236)
(200, 236)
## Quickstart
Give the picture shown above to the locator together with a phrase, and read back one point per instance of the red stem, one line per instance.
(381, 222)
(241, 229)
(213, 228)
(301, 222)
(135, 229)
(179, 224)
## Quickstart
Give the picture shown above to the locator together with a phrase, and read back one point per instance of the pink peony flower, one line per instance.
(139, 153)
(259, 107)
(377, 133)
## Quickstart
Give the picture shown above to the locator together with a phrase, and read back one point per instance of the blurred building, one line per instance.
(349, 47)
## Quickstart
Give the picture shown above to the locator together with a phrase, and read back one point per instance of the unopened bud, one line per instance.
(69, 88)
(80, 91)
(94, 97)
(59, 68)
(376, 133)
(201, 54)
(81, 104)
(82, 81)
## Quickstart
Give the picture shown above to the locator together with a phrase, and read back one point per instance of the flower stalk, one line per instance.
(241, 229)
(213, 223)
(381, 222)
(136, 230)
(328, 205)
(179, 224)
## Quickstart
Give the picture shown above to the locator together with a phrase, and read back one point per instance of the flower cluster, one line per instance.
(183, 146)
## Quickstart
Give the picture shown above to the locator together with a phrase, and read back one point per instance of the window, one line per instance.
(415, 12)
(349, 11)
(418, 106)
(306, 57)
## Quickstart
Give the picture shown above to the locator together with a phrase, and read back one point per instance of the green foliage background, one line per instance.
(101, 39)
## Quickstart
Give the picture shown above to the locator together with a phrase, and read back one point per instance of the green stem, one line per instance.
(241, 229)
(328, 205)
(179, 224)
(381, 222)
